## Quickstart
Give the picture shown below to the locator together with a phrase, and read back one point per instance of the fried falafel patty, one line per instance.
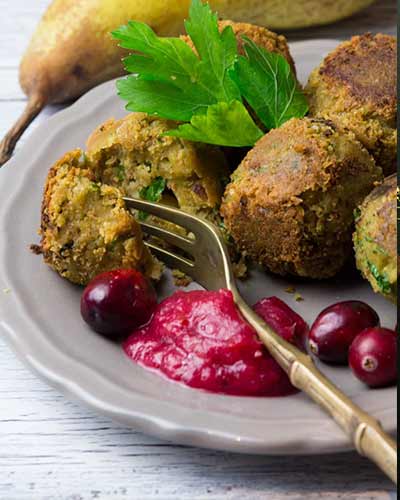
(290, 203)
(375, 239)
(131, 154)
(355, 87)
(85, 226)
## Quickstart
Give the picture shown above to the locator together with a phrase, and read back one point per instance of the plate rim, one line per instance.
(78, 387)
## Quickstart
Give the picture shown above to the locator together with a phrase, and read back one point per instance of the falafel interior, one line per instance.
(375, 239)
(356, 87)
(85, 227)
(132, 153)
(290, 203)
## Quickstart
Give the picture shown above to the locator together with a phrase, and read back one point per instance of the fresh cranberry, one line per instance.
(284, 320)
(117, 302)
(373, 356)
(336, 327)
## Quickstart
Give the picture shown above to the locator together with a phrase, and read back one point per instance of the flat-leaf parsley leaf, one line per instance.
(268, 84)
(217, 125)
(169, 79)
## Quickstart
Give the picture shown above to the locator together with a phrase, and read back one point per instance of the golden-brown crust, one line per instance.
(366, 65)
(355, 86)
(289, 205)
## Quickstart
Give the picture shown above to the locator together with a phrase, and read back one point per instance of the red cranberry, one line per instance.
(284, 320)
(117, 302)
(373, 356)
(336, 327)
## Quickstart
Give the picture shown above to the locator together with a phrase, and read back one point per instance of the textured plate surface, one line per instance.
(40, 318)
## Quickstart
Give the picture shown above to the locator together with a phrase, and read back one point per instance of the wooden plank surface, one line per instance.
(51, 448)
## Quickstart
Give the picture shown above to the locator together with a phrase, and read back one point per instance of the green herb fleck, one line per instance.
(96, 186)
(153, 193)
(357, 213)
(381, 279)
(120, 172)
(228, 237)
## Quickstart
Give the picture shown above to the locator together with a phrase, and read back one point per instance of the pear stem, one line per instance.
(34, 106)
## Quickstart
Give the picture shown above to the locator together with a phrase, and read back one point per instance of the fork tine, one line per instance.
(164, 212)
(173, 261)
(172, 238)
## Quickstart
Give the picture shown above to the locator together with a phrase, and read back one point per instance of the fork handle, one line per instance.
(367, 434)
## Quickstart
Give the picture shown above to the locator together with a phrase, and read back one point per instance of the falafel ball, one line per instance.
(356, 88)
(132, 154)
(85, 226)
(290, 203)
(375, 239)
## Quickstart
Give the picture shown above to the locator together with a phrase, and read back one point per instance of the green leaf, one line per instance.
(169, 79)
(268, 84)
(158, 98)
(223, 124)
(217, 51)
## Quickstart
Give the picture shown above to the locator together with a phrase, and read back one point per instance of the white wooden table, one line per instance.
(51, 448)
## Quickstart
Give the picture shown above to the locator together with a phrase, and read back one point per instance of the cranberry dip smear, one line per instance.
(200, 339)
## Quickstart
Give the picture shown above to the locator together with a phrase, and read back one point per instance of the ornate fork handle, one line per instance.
(366, 433)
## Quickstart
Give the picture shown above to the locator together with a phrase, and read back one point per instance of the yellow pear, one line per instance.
(72, 49)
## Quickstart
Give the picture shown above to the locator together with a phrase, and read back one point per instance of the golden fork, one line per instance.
(209, 265)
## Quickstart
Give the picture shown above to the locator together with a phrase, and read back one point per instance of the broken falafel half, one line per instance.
(85, 226)
(132, 154)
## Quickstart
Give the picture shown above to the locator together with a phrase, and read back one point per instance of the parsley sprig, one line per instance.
(205, 89)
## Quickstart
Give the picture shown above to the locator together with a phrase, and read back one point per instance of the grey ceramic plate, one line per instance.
(40, 318)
